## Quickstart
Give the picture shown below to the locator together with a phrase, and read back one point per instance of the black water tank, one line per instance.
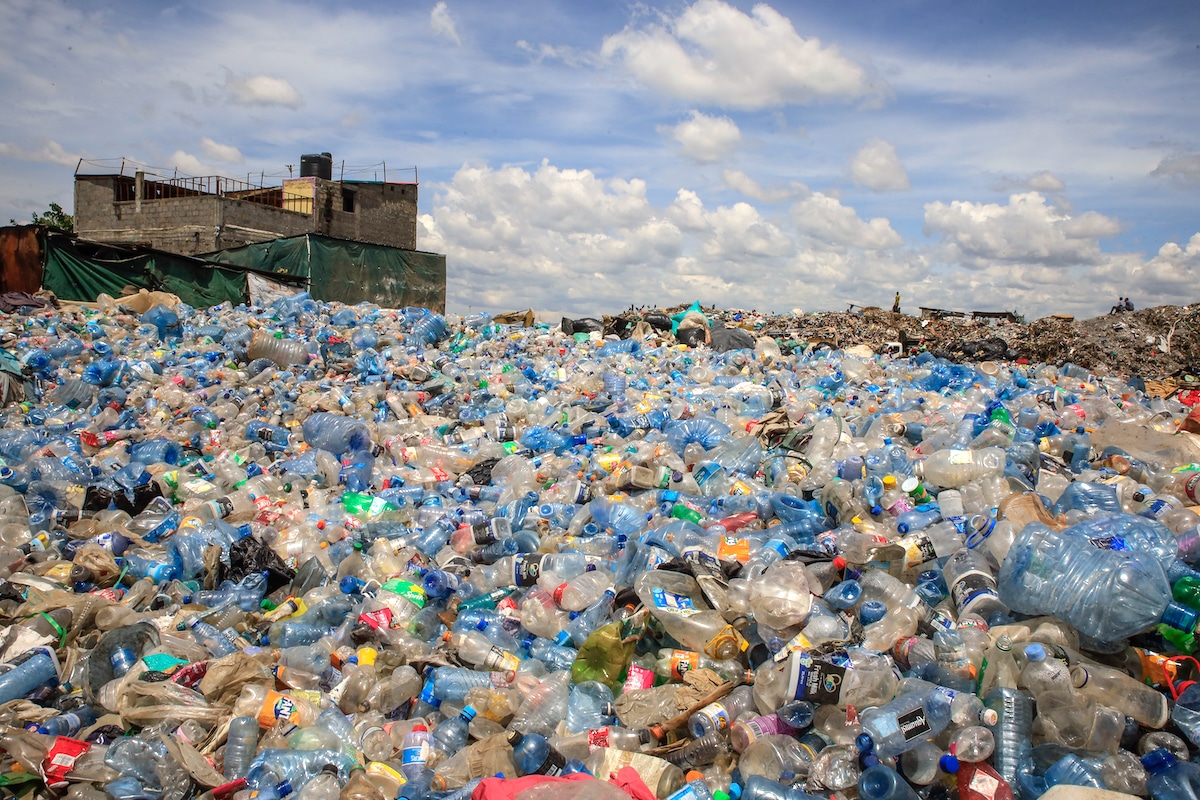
(317, 166)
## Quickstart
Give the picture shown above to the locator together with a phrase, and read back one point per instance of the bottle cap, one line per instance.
(1158, 760)
(948, 764)
(1035, 652)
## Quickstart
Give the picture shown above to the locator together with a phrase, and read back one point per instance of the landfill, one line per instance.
(321, 552)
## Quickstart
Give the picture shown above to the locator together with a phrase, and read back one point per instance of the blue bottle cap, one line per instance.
(871, 611)
(1158, 760)
(948, 764)
(1035, 652)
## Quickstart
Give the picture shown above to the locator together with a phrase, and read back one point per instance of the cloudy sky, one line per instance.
(577, 157)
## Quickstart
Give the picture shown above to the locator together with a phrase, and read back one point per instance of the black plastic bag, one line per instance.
(657, 320)
(248, 555)
(726, 339)
(692, 337)
(582, 325)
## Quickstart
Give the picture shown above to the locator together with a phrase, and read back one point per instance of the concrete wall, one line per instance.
(383, 214)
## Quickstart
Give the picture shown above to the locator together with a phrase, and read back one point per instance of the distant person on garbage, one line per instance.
(896, 304)
(1119, 307)
(1128, 304)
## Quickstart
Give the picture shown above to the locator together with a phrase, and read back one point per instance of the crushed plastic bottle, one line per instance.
(314, 551)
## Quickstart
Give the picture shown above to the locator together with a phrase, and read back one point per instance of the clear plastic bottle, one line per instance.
(1012, 730)
(905, 721)
(884, 783)
(719, 715)
(1118, 690)
(1107, 594)
(240, 745)
(972, 583)
(1042, 673)
(954, 468)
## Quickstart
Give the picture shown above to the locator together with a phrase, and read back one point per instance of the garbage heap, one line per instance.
(320, 552)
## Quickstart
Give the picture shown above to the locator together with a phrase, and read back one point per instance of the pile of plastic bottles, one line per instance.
(323, 552)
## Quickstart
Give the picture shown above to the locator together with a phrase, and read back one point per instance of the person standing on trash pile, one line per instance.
(896, 304)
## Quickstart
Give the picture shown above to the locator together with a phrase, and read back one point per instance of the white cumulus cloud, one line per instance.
(739, 181)
(704, 138)
(225, 153)
(1181, 166)
(188, 164)
(826, 220)
(442, 23)
(877, 167)
(1027, 230)
(50, 153)
(716, 54)
(263, 90)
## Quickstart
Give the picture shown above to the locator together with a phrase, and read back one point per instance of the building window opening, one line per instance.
(348, 201)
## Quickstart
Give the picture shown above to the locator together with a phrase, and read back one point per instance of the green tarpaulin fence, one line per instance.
(82, 271)
(329, 269)
(349, 272)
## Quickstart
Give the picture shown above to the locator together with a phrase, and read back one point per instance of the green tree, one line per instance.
(53, 217)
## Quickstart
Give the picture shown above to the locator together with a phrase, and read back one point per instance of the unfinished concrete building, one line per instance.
(190, 216)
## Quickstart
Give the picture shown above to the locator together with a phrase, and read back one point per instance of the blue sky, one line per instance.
(579, 157)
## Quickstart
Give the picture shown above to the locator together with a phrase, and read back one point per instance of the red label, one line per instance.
(377, 619)
(598, 737)
(638, 678)
(61, 758)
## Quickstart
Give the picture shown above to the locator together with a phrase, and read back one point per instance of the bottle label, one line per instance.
(958, 457)
(970, 588)
(719, 714)
(682, 662)
(638, 678)
(484, 533)
(415, 755)
(678, 604)
(1192, 488)
(598, 737)
(769, 725)
(700, 560)
(914, 725)
(918, 549)
(274, 708)
(936, 620)
(526, 569)
(733, 548)
(816, 681)
(1109, 543)
(500, 660)
(406, 589)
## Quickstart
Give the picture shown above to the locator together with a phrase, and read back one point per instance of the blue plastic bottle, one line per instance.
(1169, 778)
(884, 783)
(534, 755)
(1107, 594)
